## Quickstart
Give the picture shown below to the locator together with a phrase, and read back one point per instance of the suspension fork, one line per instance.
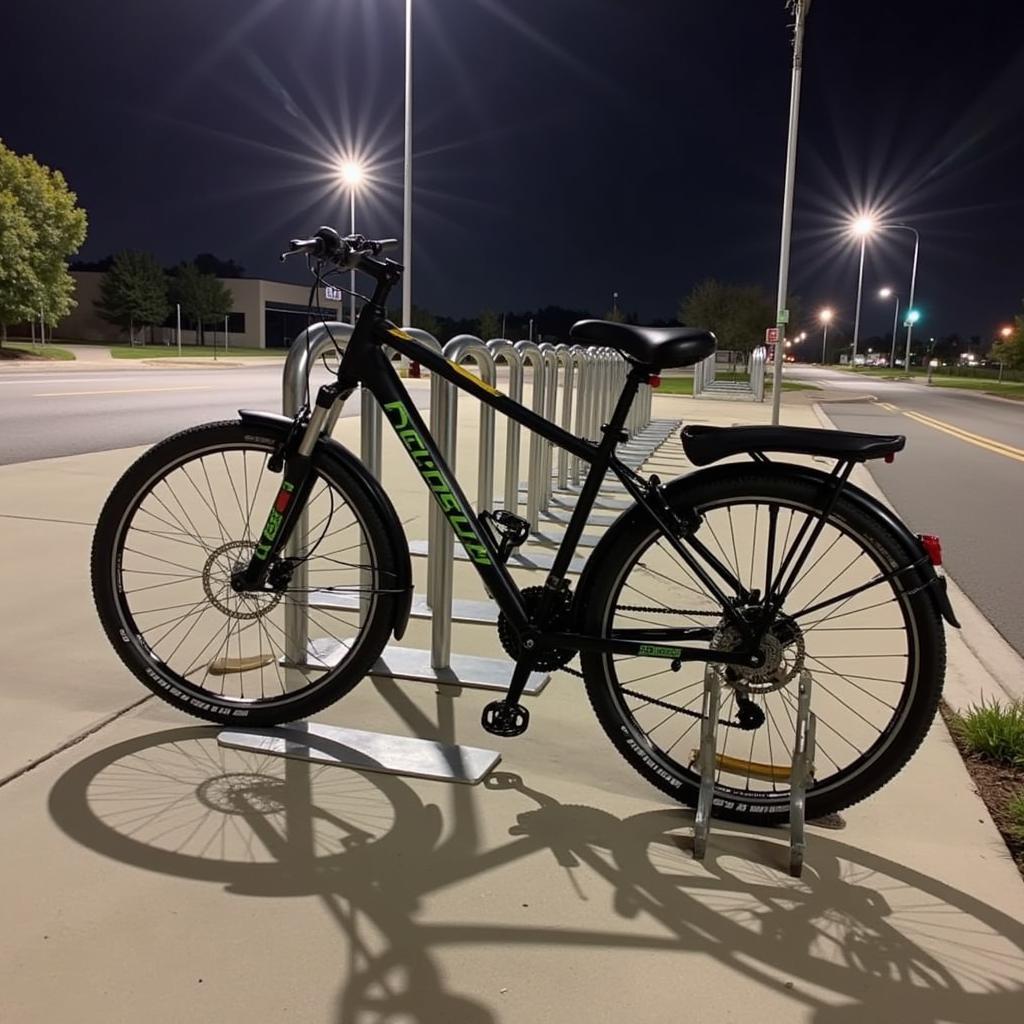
(296, 459)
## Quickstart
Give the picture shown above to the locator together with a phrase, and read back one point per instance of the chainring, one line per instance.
(556, 621)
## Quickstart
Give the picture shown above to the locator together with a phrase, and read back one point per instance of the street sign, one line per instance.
(771, 335)
(331, 293)
(783, 316)
(770, 352)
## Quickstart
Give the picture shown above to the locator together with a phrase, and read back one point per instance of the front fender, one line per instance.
(328, 448)
(636, 517)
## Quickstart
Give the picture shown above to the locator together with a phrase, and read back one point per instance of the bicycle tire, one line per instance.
(925, 657)
(135, 649)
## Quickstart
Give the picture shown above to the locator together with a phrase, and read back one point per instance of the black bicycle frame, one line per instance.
(364, 363)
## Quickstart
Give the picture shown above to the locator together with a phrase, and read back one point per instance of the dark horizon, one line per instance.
(563, 151)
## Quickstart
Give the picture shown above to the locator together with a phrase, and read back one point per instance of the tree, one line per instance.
(424, 320)
(41, 225)
(203, 298)
(133, 291)
(1010, 350)
(490, 325)
(738, 314)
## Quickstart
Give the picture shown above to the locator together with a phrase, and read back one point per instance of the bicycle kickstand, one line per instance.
(801, 776)
(706, 759)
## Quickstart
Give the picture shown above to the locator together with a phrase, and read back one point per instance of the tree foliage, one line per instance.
(738, 314)
(133, 291)
(490, 325)
(41, 225)
(1010, 351)
(204, 299)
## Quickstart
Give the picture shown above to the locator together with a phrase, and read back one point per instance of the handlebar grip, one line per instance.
(386, 244)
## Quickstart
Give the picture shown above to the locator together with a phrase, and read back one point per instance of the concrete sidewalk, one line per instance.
(151, 874)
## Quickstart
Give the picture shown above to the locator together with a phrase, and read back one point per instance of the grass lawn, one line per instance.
(25, 351)
(190, 352)
(1005, 389)
(684, 386)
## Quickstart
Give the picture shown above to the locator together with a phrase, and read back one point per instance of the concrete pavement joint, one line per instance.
(73, 741)
(46, 519)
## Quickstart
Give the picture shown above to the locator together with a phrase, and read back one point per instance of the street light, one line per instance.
(884, 293)
(825, 316)
(1005, 332)
(352, 176)
(863, 226)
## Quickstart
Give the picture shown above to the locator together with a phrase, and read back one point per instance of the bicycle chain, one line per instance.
(643, 696)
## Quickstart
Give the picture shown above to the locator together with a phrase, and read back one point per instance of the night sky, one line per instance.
(564, 149)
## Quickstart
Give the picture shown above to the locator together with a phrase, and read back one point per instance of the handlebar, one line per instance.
(345, 253)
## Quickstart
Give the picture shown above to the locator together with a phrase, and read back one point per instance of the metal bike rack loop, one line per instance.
(530, 354)
(500, 348)
(801, 772)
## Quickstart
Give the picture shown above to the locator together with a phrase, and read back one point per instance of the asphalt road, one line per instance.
(45, 414)
(961, 476)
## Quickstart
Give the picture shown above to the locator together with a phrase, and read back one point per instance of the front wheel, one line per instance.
(177, 525)
(876, 658)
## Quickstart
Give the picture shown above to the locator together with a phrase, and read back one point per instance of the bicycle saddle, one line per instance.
(657, 347)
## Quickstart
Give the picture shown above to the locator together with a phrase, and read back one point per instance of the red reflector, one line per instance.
(654, 381)
(932, 546)
(283, 497)
(891, 457)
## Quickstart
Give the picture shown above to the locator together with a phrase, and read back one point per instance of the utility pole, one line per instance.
(800, 9)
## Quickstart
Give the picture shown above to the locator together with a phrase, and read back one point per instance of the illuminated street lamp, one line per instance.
(884, 293)
(1005, 332)
(860, 228)
(352, 175)
(825, 316)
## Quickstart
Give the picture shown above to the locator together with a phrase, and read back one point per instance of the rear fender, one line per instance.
(635, 518)
(374, 493)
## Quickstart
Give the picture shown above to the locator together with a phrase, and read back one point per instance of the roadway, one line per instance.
(54, 412)
(961, 476)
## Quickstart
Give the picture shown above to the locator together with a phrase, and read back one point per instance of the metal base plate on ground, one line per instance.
(367, 751)
(481, 613)
(413, 663)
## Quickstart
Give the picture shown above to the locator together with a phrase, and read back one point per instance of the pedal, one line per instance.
(502, 719)
(507, 531)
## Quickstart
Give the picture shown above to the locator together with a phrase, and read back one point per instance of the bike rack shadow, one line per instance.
(858, 938)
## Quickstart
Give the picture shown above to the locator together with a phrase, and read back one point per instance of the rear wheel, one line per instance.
(876, 658)
(174, 529)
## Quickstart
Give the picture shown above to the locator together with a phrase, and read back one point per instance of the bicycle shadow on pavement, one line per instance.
(859, 937)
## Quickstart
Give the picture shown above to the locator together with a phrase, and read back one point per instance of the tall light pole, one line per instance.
(800, 9)
(884, 293)
(912, 315)
(861, 228)
(407, 187)
(352, 175)
(825, 316)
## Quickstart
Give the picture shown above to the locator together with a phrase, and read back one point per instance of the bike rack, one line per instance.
(594, 374)
(801, 770)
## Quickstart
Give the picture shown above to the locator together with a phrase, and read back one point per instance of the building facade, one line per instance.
(265, 314)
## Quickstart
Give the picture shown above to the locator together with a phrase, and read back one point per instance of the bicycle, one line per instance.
(673, 589)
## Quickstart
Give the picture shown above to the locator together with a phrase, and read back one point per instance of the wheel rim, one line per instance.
(874, 698)
(189, 526)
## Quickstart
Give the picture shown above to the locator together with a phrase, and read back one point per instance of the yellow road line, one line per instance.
(963, 435)
(122, 391)
(889, 406)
